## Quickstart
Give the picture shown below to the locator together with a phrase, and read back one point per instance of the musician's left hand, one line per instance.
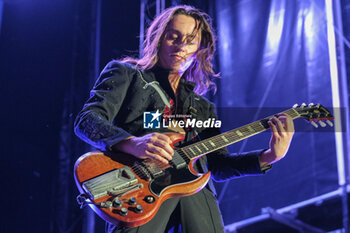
(282, 129)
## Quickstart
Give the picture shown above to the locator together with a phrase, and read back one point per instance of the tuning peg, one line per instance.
(322, 124)
(303, 105)
(329, 123)
(295, 105)
(314, 124)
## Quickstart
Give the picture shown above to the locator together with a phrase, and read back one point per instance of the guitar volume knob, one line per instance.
(138, 209)
(117, 203)
(123, 211)
(109, 204)
(132, 201)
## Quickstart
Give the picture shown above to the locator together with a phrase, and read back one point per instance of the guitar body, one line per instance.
(128, 191)
(125, 191)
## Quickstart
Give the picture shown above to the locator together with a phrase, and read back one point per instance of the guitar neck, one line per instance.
(208, 145)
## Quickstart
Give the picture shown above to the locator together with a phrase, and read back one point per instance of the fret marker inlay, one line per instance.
(205, 147)
(192, 151)
(212, 143)
(198, 149)
(239, 133)
(224, 138)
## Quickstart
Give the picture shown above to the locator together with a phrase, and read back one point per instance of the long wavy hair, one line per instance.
(201, 69)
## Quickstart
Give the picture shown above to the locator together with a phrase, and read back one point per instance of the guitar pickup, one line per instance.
(177, 161)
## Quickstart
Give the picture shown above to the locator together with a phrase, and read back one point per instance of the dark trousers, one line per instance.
(198, 213)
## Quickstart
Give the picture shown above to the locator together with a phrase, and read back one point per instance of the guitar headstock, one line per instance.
(314, 113)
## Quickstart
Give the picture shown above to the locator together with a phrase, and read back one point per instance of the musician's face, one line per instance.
(180, 43)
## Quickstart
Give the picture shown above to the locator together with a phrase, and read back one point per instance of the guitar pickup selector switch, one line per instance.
(149, 199)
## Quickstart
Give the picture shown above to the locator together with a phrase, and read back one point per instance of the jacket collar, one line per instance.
(185, 88)
(162, 75)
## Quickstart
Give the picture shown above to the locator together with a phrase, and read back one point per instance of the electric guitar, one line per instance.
(128, 191)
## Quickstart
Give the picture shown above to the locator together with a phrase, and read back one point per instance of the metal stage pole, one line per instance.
(1, 13)
(142, 26)
(340, 99)
(97, 39)
(160, 6)
(89, 221)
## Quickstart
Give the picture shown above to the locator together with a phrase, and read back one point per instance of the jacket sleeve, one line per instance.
(224, 165)
(94, 124)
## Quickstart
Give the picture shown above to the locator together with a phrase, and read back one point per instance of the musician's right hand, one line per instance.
(155, 146)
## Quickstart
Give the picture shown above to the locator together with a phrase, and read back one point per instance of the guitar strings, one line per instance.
(231, 135)
(187, 152)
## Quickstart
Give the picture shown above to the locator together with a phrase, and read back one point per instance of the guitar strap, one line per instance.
(156, 86)
(192, 134)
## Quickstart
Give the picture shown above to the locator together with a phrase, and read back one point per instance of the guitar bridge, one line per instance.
(115, 181)
(153, 168)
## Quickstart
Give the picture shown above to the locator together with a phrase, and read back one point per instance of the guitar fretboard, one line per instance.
(208, 145)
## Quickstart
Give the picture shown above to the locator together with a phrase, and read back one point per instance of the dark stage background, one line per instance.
(271, 55)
